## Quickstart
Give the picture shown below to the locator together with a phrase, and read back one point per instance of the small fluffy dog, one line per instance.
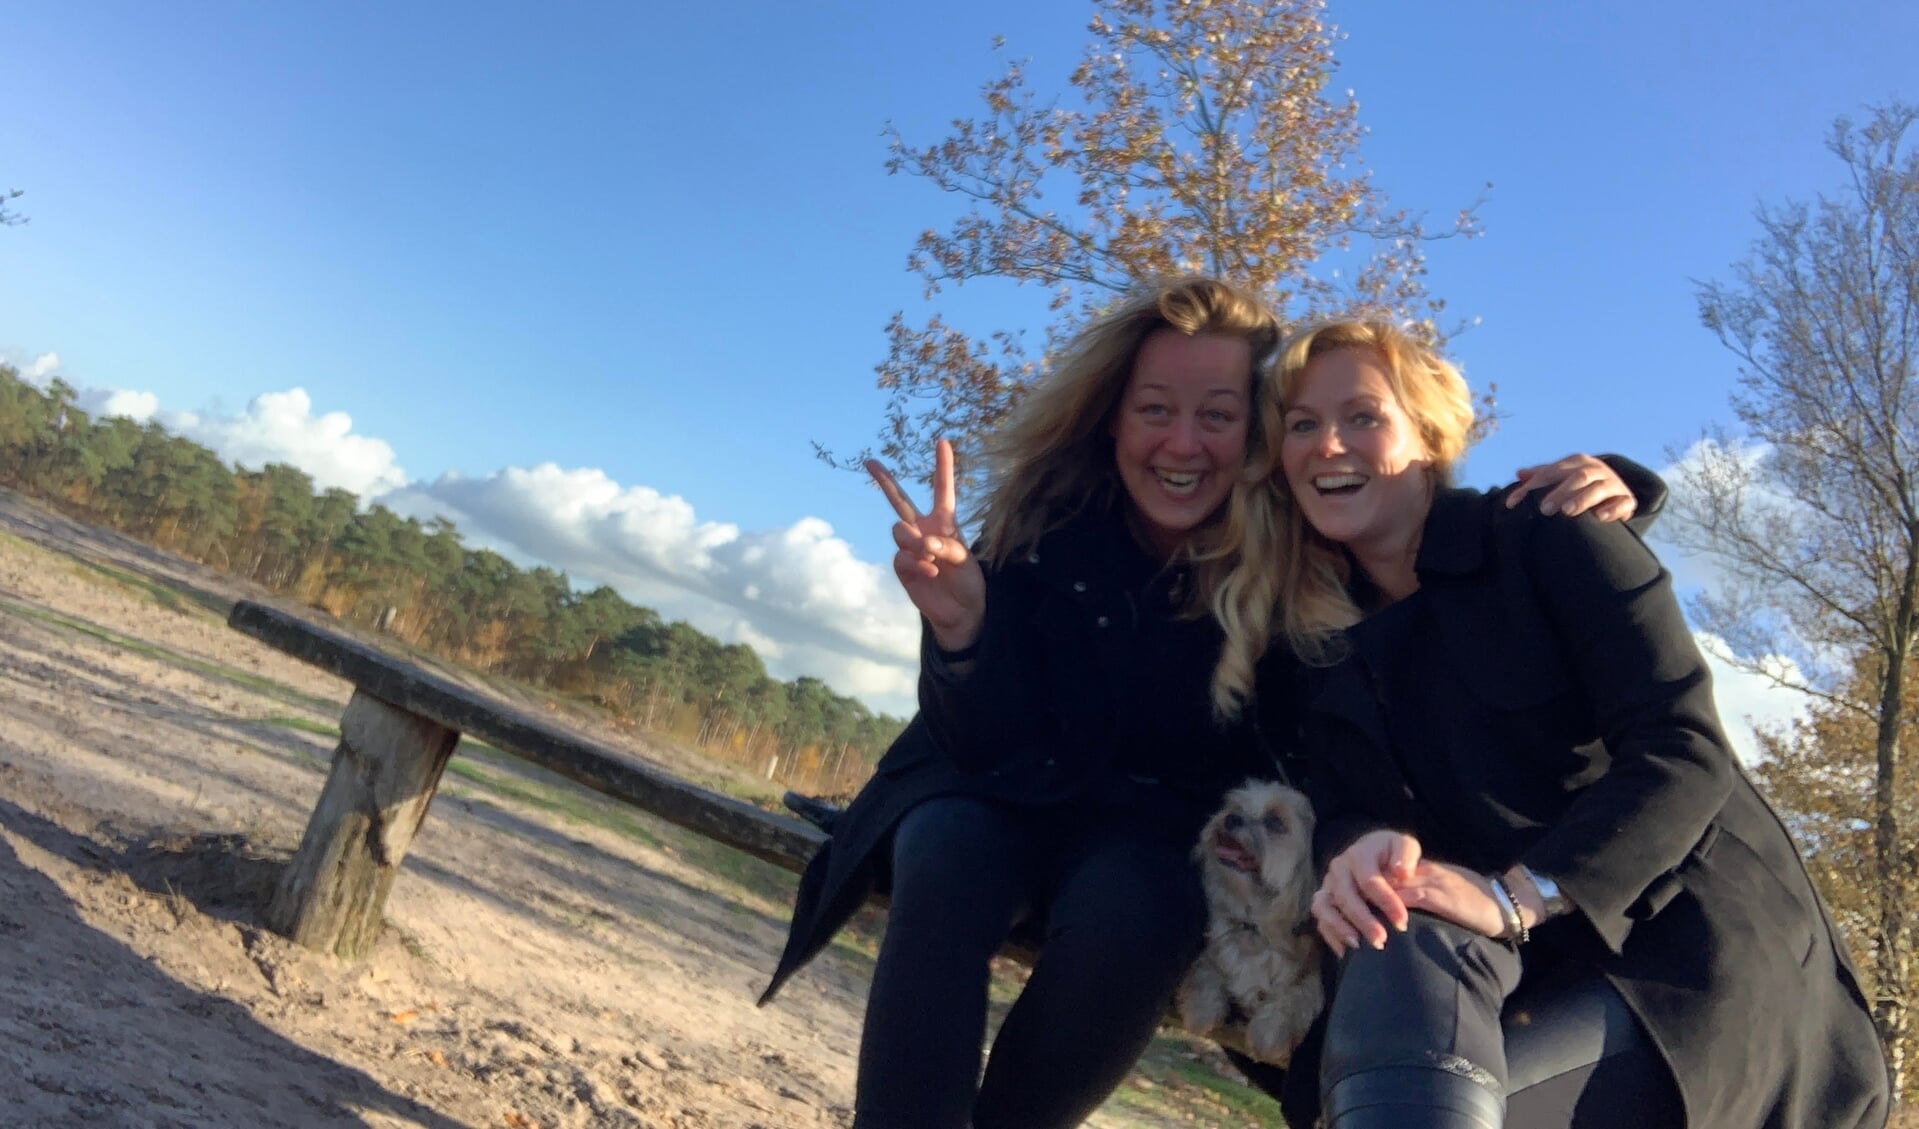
(1262, 958)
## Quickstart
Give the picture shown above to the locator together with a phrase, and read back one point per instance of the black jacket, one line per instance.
(1085, 670)
(1579, 726)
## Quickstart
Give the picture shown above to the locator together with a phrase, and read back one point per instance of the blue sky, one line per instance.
(655, 245)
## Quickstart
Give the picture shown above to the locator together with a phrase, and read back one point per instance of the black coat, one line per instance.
(1085, 671)
(1579, 736)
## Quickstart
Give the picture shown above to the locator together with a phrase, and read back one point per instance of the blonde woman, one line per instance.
(1076, 724)
(1526, 802)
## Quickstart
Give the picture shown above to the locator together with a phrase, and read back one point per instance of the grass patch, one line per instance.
(576, 807)
(302, 724)
(244, 679)
(1181, 1078)
(161, 594)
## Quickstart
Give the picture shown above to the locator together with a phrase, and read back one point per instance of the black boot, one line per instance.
(819, 813)
(1415, 1097)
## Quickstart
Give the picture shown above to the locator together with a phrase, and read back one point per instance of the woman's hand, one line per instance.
(933, 564)
(1574, 485)
(1463, 897)
(1361, 888)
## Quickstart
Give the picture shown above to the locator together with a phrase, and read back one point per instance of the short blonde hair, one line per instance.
(1434, 395)
(1289, 573)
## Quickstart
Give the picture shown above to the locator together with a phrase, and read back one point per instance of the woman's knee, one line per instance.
(961, 873)
(1431, 993)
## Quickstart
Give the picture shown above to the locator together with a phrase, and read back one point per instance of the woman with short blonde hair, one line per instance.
(1526, 803)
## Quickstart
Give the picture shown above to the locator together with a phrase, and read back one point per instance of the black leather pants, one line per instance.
(1444, 1028)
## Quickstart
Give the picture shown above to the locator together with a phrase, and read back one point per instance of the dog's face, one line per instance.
(1259, 844)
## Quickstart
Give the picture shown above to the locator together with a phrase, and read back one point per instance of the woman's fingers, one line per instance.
(1618, 509)
(902, 505)
(1457, 895)
(1402, 856)
(1333, 927)
(1561, 480)
(1604, 491)
(1380, 894)
(948, 551)
(945, 503)
(1351, 905)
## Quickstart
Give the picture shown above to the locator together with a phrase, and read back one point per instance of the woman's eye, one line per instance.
(1300, 426)
(1219, 415)
(1365, 419)
(1152, 409)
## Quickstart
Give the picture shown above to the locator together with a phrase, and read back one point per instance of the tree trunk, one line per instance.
(1895, 929)
(385, 772)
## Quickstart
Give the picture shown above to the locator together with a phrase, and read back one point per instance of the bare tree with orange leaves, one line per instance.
(1198, 136)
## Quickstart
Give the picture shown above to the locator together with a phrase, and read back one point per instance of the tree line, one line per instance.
(419, 582)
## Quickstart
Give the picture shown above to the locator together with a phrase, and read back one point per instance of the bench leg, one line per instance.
(385, 772)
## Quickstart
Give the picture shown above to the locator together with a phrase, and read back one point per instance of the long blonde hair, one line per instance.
(1054, 457)
(1287, 571)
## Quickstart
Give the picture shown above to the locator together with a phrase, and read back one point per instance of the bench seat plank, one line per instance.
(779, 839)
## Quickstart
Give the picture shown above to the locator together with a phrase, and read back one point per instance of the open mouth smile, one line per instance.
(1181, 484)
(1339, 485)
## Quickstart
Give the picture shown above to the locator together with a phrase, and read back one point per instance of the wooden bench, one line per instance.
(396, 736)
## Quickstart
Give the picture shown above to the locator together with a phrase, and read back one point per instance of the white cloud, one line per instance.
(136, 406)
(280, 427)
(798, 595)
(1747, 701)
(277, 427)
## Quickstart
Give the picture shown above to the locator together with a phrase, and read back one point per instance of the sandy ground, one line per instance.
(539, 969)
(548, 962)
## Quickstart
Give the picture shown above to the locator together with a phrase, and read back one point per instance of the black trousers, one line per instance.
(1124, 918)
(1535, 1023)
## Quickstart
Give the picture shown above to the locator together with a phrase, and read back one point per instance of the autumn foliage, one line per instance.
(1195, 136)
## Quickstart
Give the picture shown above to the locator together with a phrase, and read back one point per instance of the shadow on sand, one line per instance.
(91, 1033)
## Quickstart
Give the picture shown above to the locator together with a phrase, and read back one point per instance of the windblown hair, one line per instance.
(1287, 571)
(1054, 457)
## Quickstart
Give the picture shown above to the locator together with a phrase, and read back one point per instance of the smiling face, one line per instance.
(1352, 458)
(1179, 438)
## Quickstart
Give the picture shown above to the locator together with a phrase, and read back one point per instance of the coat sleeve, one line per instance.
(1648, 491)
(981, 706)
(1613, 612)
(1337, 821)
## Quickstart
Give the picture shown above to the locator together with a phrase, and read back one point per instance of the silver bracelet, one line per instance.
(1515, 924)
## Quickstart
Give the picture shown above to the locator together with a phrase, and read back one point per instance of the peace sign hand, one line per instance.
(933, 563)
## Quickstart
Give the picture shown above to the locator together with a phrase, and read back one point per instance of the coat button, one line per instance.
(1103, 621)
(1079, 586)
(1032, 558)
(1052, 762)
